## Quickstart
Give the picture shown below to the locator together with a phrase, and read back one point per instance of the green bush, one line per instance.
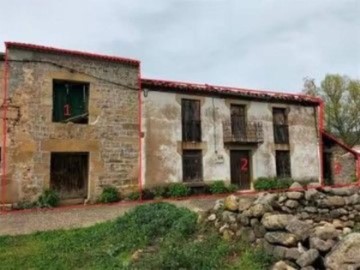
(150, 221)
(25, 205)
(218, 187)
(254, 259)
(269, 183)
(232, 188)
(109, 195)
(159, 192)
(177, 190)
(49, 198)
(134, 196)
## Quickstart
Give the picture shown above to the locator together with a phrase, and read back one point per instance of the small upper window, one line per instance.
(191, 123)
(281, 128)
(70, 102)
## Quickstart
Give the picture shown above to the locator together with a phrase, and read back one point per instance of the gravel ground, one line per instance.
(30, 221)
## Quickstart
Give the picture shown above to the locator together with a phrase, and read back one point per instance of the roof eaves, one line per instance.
(264, 94)
(341, 144)
(48, 49)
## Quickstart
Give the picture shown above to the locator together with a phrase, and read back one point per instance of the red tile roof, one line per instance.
(206, 88)
(53, 50)
(341, 144)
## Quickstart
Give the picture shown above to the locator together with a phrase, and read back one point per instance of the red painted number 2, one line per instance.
(244, 164)
(337, 168)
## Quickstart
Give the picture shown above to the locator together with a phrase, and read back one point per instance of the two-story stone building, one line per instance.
(76, 122)
(71, 122)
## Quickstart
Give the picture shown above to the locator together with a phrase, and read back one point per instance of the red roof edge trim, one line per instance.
(41, 48)
(338, 142)
(217, 88)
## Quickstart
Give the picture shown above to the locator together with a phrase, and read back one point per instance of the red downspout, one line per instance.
(4, 122)
(321, 145)
(140, 133)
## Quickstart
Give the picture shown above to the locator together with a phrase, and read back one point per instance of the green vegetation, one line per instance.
(134, 196)
(177, 190)
(271, 183)
(219, 187)
(152, 236)
(341, 96)
(159, 192)
(109, 195)
(49, 198)
(254, 259)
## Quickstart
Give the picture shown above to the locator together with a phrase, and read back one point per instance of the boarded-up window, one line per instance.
(191, 123)
(70, 102)
(281, 128)
(283, 168)
(192, 165)
(238, 121)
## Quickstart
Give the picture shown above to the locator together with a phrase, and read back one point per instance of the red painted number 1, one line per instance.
(67, 110)
(244, 164)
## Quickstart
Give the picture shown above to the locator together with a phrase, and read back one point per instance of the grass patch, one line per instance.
(163, 235)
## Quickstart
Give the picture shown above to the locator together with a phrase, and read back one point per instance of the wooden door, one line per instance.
(240, 168)
(69, 174)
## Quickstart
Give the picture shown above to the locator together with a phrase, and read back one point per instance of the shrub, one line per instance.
(109, 195)
(159, 192)
(283, 183)
(49, 198)
(232, 188)
(134, 196)
(254, 258)
(218, 187)
(269, 183)
(25, 205)
(178, 190)
(150, 221)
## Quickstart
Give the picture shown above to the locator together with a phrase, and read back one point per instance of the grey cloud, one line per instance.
(257, 44)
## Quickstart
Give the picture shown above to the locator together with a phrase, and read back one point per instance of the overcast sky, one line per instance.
(270, 44)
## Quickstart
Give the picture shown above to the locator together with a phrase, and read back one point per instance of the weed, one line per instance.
(177, 190)
(109, 195)
(49, 198)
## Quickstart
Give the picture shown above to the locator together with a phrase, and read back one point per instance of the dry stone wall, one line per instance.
(306, 228)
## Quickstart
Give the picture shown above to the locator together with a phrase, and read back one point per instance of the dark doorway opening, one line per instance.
(240, 168)
(327, 172)
(69, 174)
(192, 166)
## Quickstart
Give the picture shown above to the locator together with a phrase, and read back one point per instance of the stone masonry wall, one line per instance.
(306, 228)
(111, 137)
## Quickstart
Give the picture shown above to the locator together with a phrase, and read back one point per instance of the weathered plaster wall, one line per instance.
(162, 143)
(343, 166)
(111, 137)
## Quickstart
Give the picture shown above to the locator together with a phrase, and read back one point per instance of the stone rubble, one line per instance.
(304, 228)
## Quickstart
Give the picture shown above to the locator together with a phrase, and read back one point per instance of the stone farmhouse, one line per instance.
(76, 122)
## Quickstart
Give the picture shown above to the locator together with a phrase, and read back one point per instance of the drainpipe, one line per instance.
(140, 133)
(4, 126)
(321, 146)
